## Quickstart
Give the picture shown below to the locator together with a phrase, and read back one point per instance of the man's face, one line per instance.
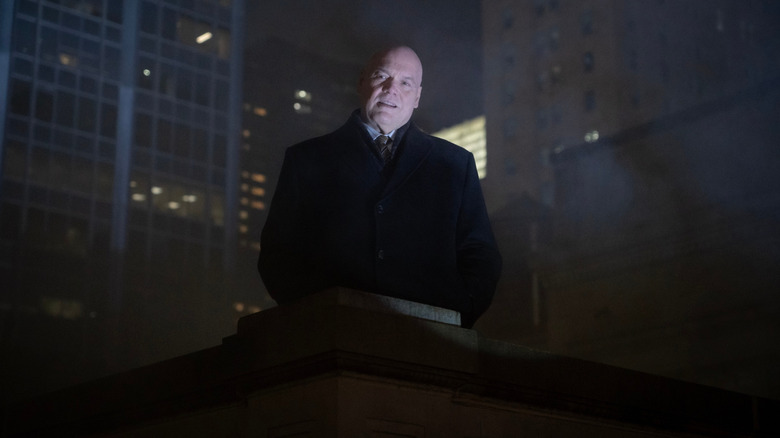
(390, 88)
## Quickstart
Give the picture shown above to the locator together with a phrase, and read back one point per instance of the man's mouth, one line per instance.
(387, 104)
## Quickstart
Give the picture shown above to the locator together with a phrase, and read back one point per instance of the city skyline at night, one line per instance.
(628, 145)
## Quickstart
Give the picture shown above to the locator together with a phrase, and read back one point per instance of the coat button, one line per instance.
(380, 209)
(380, 255)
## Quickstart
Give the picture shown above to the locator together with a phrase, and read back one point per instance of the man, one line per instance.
(404, 217)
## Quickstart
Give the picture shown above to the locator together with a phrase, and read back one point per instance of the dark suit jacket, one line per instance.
(415, 229)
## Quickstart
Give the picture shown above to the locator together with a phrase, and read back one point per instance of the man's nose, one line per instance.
(390, 85)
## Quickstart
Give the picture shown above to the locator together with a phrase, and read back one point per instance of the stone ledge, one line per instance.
(332, 337)
(345, 297)
(351, 321)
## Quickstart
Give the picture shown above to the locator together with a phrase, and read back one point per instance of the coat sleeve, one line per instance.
(283, 263)
(478, 259)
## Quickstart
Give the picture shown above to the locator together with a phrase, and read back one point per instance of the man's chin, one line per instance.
(385, 124)
(394, 122)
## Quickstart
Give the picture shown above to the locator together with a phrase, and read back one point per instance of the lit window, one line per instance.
(57, 307)
(202, 36)
(471, 136)
(156, 190)
(243, 215)
(189, 198)
(262, 112)
(205, 36)
(218, 210)
(244, 201)
(257, 205)
(246, 133)
(243, 229)
(173, 205)
(303, 95)
(592, 136)
(258, 191)
(68, 60)
(301, 108)
(244, 187)
(139, 197)
(258, 177)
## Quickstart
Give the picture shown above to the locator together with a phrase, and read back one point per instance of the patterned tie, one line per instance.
(385, 145)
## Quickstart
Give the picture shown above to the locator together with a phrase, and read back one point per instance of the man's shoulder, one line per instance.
(339, 136)
(313, 142)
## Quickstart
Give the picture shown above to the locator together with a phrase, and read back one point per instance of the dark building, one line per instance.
(669, 230)
(645, 129)
(120, 142)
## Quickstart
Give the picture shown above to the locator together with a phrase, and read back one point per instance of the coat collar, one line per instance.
(356, 152)
(414, 150)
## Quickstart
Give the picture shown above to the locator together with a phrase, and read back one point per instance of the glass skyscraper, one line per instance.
(118, 179)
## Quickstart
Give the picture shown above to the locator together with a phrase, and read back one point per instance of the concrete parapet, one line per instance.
(343, 363)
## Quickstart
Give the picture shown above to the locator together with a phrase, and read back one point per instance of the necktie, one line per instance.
(385, 145)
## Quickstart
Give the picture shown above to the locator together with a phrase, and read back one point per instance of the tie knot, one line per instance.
(385, 145)
(384, 140)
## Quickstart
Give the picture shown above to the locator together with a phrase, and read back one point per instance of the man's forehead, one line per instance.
(406, 73)
(408, 68)
(397, 54)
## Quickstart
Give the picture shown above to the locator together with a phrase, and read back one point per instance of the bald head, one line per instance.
(390, 86)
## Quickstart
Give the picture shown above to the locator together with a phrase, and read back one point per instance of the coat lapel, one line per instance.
(413, 151)
(355, 153)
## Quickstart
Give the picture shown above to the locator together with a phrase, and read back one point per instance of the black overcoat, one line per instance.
(415, 229)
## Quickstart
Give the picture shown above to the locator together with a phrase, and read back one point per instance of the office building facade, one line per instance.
(120, 141)
(642, 132)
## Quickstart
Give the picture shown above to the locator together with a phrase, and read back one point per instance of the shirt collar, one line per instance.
(374, 133)
(396, 134)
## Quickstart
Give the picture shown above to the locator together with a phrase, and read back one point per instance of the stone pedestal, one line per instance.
(343, 363)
